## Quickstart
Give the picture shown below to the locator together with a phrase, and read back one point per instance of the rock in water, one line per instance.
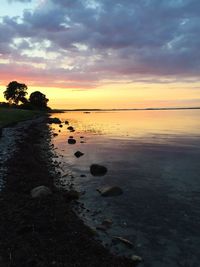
(40, 191)
(54, 120)
(78, 154)
(66, 122)
(98, 170)
(110, 191)
(71, 141)
(71, 129)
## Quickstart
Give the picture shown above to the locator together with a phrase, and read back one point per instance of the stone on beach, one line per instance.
(78, 154)
(136, 259)
(60, 126)
(110, 191)
(71, 195)
(123, 240)
(40, 191)
(71, 141)
(98, 170)
(66, 122)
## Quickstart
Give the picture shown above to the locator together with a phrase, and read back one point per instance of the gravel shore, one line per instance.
(43, 231)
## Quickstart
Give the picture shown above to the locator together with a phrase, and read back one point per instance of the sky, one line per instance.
(103, 53)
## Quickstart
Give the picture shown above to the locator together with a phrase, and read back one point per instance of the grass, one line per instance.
(9, 116)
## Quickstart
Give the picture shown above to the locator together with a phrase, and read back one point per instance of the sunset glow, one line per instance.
(100, 54)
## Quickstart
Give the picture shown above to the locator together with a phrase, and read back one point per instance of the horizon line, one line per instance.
(125, 109)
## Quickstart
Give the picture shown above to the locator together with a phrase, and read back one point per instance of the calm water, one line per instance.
(154, 157)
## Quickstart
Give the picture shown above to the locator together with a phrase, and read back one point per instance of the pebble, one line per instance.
(124, 241)
(136, 258)
(40, 191)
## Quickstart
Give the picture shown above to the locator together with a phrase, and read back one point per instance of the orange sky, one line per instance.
(135, 95)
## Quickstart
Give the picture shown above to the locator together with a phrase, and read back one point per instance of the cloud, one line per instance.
(113, 40)
(22, 1)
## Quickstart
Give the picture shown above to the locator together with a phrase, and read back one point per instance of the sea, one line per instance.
(154, 157)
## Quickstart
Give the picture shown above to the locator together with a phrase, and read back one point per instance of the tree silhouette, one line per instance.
(38, 100)
(15, 92)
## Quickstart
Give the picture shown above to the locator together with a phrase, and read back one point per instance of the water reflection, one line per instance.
(154, 157)
(130, 124)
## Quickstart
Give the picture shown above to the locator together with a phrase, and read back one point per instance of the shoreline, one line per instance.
(43, 232)
(88, 110)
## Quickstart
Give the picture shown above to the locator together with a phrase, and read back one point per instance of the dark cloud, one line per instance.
(115, 39)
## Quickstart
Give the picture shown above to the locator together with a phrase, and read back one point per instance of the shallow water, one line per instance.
(154, 157)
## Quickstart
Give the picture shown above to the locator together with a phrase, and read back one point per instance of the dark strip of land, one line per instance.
(123, 109)
(43, 232)
(10, 116)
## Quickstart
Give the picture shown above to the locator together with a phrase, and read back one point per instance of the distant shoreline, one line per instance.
(123, 109)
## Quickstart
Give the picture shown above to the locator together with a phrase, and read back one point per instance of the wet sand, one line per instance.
(45, 231)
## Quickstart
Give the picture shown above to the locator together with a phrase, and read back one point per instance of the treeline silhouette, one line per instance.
(16, 93)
